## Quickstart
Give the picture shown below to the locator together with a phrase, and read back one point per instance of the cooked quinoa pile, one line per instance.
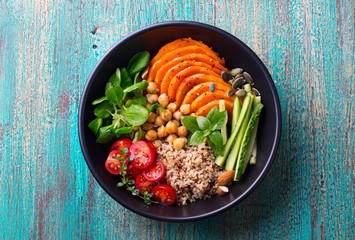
(190, 171)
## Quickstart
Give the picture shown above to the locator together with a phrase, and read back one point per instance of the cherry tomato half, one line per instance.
(164, 194)
(155, 171)
(142, 153)
(132, 172)
(112, 164)
(143, 184)
(121, 144)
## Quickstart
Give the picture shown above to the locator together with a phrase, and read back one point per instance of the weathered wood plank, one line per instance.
(47, 50)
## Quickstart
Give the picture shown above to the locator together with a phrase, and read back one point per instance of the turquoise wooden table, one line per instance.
(47, 50)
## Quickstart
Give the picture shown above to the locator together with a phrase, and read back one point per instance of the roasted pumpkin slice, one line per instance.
(191, 81)
(203, 111)
(170, 56)
(208, 97)
(159, 73)
(175, 82)
(199, 89)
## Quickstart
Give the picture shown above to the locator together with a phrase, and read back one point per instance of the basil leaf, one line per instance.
(95, 125)
(99, 100)
(203, 123)
(153, 107)
(212, 114)
(125, 79)
(103, 109)
(105, 135)
(219, 150)
(190, 123)
(220, 121)
(135, 115)
(216, 138)
(114, 80)
(139, 135)
(138, 62)
(141, 85)
(114, 94)
(197, 138)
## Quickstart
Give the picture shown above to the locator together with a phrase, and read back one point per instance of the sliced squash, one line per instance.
(170, 56)
(203, 111)
(188, 83)
(200, 89)
(208, 97)
(170, 87)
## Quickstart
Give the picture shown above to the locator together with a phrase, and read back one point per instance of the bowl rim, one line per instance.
(225, 34)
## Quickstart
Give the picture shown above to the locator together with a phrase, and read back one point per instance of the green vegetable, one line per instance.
(135, 115)
(220, 159)
(99, 100)
(222, 107)
(141, 86)
(115, 79)
(125, 79)
(103, 109)
(139, 135)
(138, 62)
(95, 125)
(253, 154)
(207, 127)
(114, 94)
(246, 139)
(153, 107)
(105, 135)
(236, 112)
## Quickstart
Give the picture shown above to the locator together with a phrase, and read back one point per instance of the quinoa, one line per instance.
(191, 171)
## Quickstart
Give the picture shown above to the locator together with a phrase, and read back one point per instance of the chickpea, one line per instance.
(177, 123)
(171, 138)
(152, 98)
(159, 121)
(147, 126)
(159, 110)
(162, 132)
(182, 131)
(171, 127)
(136, 128)
(172, 107)
(185, 109)
(152, 88)
(151, 135)
(157, 143)
(179, 143)
(163, 99)
(151, 117)
(148, 105)
(166, 115)
(142, 138)
(177, 115)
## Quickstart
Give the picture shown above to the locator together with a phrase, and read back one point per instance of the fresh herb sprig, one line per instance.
(122, 107)
(207, 127)
(130, 183)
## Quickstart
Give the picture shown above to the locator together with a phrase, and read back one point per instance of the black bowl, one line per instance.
(237, 54)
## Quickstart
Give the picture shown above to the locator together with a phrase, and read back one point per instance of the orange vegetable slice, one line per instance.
(189, 82)
(208, 97)
(203, 111)
(200, 89)
(163, 84)
(158, 74)
(171, 86)
(170, 56)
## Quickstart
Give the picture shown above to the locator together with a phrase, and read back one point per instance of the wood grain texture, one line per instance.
(47, 50)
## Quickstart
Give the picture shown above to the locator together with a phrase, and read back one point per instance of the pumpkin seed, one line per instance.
(238, 82)
(256, 91)
(212, 87)
(230, 93)
(238, 75)
(230, 82)
(236, 71)
(248, 78)
(241, 93)
(226, 76)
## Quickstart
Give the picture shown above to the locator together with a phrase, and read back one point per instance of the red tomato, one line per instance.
(112, 164)
(132, 172)
(155, 171)
(143, 184)
(121, 144)
(142, 153)
(154, 150)
(164, 194)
